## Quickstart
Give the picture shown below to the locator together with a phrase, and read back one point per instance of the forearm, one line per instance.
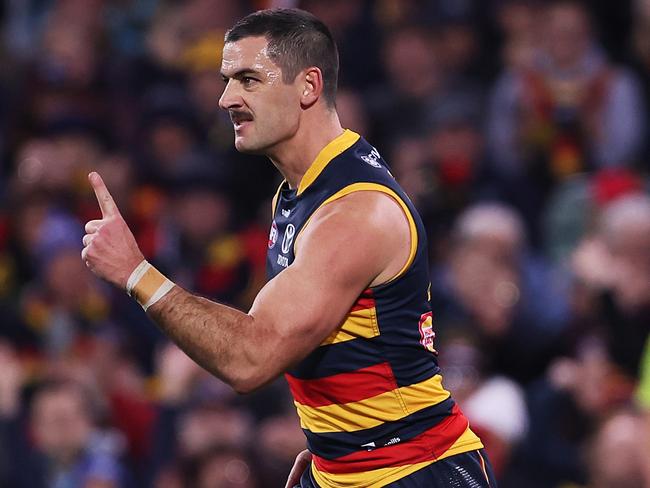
(245, 350)
(225, 341)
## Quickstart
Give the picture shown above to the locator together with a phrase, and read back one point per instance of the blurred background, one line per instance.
(518, 127)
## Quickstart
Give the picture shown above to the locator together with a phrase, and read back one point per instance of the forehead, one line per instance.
(56, 400)
(247, 53)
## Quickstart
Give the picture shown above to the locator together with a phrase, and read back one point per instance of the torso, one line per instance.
(370, 397)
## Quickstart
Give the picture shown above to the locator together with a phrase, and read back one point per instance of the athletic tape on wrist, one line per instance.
(147, 285)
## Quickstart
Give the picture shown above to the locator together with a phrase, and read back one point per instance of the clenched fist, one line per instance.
(110, 250)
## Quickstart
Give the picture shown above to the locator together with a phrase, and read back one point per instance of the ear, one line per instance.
(312, 86)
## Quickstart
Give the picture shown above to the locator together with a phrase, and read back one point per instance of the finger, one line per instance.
(104, 198)
(92, 226)
(299, 466)
(87, 239)
(294, 477)
(84, 256)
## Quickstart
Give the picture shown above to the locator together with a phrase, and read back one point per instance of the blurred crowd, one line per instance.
(519, 128)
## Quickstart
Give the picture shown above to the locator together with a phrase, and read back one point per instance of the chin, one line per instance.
(244, 148)
(248, 147)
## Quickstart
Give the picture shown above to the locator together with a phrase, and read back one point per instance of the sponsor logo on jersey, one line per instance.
(273, 235)
(287, 240)
(369, 446)
(427, 334)
(372, 158)
(283, 260)
(286, 213)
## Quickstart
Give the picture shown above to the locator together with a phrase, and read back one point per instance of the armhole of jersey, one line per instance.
(364, 186)
(274, 202)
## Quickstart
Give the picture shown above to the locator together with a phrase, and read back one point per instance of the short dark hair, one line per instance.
(297, 40)
(89, 404)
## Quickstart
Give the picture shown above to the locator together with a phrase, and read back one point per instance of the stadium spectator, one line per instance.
(611, 270)
(416, 83)
(618, 457)
(446, 170)
(573, 110)
(65, 448)
(510, 298)
(603, 345)
(494, 404)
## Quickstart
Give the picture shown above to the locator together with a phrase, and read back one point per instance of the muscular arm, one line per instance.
(343, 250)
(351, 243)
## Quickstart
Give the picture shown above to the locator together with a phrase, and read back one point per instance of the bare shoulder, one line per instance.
(362, 209)
(369, 225)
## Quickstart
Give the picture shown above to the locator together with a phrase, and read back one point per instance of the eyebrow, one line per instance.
(240, 73)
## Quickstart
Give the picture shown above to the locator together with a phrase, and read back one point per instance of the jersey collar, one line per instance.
(329, 152)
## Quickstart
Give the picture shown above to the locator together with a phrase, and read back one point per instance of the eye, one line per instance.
(248, 81)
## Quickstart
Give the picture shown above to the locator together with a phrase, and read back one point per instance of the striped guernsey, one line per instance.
(370, 397)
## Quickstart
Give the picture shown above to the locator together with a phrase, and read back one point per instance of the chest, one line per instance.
(290, 216)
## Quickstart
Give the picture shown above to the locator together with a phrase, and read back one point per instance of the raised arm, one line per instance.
(357, 241)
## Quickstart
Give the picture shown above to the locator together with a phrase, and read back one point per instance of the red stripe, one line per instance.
(351, 386)
(427, 446)
(364, 302)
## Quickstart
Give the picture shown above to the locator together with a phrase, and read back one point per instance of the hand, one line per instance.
(110, 250)
(302, 461)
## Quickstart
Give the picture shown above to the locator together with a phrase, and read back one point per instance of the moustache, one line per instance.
(238, 116)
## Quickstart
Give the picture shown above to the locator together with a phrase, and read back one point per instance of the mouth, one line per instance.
(240, 119)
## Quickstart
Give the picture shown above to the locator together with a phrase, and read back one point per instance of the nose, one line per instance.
(229, 98)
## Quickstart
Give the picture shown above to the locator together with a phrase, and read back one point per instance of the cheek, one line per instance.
(279, 115)
(287, 108)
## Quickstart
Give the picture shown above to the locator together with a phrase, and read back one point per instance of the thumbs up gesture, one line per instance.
(110, 250)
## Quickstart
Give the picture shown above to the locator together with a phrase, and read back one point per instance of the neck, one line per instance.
(295, 155)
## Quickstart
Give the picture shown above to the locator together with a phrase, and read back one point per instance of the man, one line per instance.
(63, 447)
(346, 311)
(568, 110)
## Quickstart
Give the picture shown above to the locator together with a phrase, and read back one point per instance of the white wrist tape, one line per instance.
(147, 285)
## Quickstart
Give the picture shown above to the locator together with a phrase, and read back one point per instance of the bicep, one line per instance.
(338, 258)
(303, 309)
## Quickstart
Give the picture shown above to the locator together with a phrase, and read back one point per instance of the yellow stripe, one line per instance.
(274, 202)
(383, 189)
(469, 441)
(374, 411)
(367, 479)
(329, 152)
(381, 477)
(360, 323)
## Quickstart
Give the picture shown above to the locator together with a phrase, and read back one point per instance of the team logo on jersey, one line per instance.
(273, 235)
(372, 158)
(427, 334)
(287, 240)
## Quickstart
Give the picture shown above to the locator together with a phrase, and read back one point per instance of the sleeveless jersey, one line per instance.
(370, 397)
